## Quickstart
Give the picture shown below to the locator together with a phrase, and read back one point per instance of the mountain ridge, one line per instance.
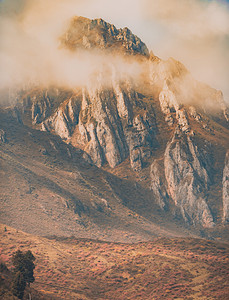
(97, 33)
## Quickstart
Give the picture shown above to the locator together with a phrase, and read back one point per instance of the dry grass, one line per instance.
(72, 268)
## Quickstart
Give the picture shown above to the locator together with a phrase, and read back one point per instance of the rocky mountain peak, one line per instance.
(84, 33)
(169, 131)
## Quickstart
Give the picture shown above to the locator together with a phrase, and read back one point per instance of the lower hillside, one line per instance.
(165, 268)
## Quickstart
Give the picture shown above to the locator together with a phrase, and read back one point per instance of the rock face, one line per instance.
(187, 178)
(226, 189)
(88, 34)
(187, 174)
(162, 124)
(110, 124)
(112, 127)
(169, 103)
(62, 122)
(40, 108)
(157, 184)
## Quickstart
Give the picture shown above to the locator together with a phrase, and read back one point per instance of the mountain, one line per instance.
(125, 157)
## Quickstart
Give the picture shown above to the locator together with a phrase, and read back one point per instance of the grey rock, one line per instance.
(40, 108)
(63, 121)
(157, 186)
(226, 189)
(169, 103)
(135, 159)
(188, 179)
(110, 130)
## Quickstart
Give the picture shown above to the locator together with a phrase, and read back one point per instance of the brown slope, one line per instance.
(167, 268)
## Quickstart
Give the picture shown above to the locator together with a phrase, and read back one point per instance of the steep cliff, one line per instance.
(226, 189)
(188, 176)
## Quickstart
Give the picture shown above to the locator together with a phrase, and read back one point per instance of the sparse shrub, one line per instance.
(18, 285)
(23, 263)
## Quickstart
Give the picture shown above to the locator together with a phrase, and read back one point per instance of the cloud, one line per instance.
(196, 32)
(30, 52)
(191, 18)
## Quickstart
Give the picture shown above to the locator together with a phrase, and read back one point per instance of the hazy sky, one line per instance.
(196, 32)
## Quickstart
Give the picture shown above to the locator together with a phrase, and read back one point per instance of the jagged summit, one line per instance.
(98, 34)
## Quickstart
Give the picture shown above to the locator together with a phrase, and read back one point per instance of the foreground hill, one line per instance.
(165, 268)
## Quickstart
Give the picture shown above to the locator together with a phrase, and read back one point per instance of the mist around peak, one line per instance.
(194, 32)
(32, 54)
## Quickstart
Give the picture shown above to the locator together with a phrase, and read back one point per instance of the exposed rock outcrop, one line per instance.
(226, 189)
(188, 178)
(111, 127)
(169, 104)
(40, 108)
(62, 122)
(157, 184)
(88, 34)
